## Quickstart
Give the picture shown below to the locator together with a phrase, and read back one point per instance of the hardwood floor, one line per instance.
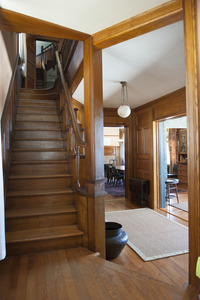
(173, 270)
(76, 274)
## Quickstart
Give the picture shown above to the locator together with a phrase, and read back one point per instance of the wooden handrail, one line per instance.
(68, 102)
(44, 49)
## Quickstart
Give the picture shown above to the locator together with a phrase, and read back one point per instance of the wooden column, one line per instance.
(94, 160)
(192, 56)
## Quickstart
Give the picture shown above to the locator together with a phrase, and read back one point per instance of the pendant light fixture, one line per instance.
(124, 110)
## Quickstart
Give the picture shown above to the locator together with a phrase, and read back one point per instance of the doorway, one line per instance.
(172, 145)
(114, 161)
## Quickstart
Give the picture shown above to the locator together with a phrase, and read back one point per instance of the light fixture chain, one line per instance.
(122, 95)
(126, 94)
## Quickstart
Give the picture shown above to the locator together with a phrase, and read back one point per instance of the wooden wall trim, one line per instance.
(160, 16)
(16, 22)
(192, 65)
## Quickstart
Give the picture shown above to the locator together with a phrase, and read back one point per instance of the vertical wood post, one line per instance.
(192, 59)
(94, 155)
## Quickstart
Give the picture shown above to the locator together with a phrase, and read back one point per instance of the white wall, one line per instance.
(111, 136)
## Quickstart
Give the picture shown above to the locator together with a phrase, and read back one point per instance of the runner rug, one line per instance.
(151, 235)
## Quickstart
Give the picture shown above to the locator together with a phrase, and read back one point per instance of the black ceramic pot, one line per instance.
(116, 239)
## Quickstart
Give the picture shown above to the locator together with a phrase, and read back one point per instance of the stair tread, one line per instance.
(42, 150)
(36, 129)
(35, 106)
(38, 176)
(60, 191)
(35, 162)
(42, 233)
(42, 121)
(39, 211)
(38, 139)
(35, 114)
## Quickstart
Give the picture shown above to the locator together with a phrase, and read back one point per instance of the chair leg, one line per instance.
(177, 194)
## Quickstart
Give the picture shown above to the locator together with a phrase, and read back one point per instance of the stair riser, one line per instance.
(30, 117)
(38, 103)
(35, 222)
(37, 110)
(38, 184)
(36, 92)
(38, 134)
(39, 169)
(37, 144)
(39, 201)
(49, 155)
(38, 96)
(37, 125)
(43, 245)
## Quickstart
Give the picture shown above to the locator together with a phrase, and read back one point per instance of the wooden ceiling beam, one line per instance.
(16, 22)
(160, 16)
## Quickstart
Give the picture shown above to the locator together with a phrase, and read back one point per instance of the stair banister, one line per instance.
(68, 102)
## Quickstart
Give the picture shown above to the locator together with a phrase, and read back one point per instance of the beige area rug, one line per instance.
(181, 205)
(151, 235)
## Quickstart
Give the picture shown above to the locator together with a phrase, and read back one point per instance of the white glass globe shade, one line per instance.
(124, 111)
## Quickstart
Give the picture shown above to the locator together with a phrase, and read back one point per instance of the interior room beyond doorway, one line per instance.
(173, 165)
(114, 161)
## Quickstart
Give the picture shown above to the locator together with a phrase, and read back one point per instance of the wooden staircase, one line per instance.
(40, 211)
(39, 78)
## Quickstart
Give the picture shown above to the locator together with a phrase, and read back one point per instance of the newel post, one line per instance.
(94, 153)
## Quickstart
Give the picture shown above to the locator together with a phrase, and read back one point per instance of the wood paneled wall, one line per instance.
(8, 119)
(171, 105)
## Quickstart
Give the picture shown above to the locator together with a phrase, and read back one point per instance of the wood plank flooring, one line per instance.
(76, 274)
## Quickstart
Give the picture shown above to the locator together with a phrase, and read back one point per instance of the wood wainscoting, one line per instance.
(8, 120)
(173, 104)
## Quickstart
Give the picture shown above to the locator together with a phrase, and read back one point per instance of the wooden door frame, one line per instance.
(127, 149)
(156, 164)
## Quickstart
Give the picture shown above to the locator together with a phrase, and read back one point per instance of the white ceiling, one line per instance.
(88, 16)
(152, 64)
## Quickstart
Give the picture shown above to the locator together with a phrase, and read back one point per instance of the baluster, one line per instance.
(72, 141)
(77, 167)
(41, 56)
(83, 138)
